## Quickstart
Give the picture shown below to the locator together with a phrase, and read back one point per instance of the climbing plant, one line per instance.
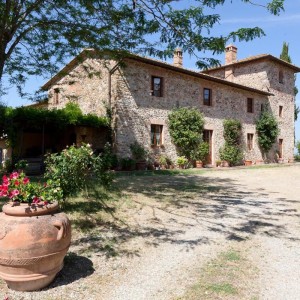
(231, 152)
(267, 130)
(186, 129)
(14, 120)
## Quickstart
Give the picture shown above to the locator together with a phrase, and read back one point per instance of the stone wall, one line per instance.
(135, 109)
(86, 84)
(264, 75)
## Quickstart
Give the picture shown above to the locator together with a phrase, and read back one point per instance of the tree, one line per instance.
(286, 57)
(36, 36)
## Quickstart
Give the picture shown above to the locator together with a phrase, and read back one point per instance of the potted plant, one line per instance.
(170, 164)
(182, 161)
(200, 153)
(163, 163)
(218, 163)
(248, 162)
(34, 235)
(139, 153)
(127, 164)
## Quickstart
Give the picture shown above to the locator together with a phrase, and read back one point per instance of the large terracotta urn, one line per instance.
(33, 242)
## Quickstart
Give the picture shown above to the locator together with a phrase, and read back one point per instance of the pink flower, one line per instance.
(16, 182)
(14, 175)
(26, 180)
(13, 194)
(5, 180)
(36, 200)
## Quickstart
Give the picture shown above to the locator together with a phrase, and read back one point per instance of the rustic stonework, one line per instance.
(264, 75)
(96, 84)
(135, 108)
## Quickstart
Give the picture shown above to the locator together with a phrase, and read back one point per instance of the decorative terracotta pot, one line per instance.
(33, 242)
(225, 163)
(248, 162)
(199, 164)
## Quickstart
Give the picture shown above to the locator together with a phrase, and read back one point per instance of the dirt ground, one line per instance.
(167, 230)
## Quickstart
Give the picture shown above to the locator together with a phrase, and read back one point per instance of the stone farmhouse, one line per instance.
(142, 91)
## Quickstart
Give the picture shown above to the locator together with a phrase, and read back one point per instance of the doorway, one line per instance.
(207, 137)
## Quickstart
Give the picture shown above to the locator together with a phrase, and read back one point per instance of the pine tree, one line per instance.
(285, 53)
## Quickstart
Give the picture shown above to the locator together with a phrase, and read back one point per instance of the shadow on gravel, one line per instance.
(166, 208)
(76, 267)
(215, 204)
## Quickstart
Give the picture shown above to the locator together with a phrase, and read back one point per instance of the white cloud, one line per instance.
(287, 19)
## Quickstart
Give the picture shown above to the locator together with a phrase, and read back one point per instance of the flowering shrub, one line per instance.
(75, 168)
(17, 187)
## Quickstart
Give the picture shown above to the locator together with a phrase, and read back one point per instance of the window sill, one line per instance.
(157, 146)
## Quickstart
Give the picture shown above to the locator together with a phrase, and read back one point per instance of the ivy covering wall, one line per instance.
(14, 120)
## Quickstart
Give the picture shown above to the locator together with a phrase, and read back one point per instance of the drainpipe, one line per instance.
(111, 72)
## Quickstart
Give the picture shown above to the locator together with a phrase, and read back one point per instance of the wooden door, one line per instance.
(207, 137)
(280, 148)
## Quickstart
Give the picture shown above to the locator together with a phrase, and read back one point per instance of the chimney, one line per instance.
(230, 54)
(177, 60)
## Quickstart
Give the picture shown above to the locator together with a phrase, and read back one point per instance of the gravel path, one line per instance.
(177, 224)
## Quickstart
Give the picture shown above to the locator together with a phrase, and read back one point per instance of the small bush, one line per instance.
(75, 168)
(232, 154)
(138, 151)
(127, 163)
(182, 161)
(200, 152)
(298, 147)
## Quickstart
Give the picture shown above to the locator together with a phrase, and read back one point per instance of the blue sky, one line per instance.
(278, 29)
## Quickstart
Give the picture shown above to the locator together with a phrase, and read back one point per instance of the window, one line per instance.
(207, 97)
(56, 96)
(250, 141)
(156, 86)
(156, 135)
(280, 110)
(250, 103)
(280, 76)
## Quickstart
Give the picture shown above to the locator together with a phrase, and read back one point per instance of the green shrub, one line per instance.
(231, 153)
(182, 161)
(127, 163)
(138, 151)
(186, 127)
(232, 131)
(75, 168)
(298, 147)
(200, 152)
(267, 130)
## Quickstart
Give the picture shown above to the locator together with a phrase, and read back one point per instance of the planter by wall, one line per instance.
(248, 162)
(225, 164)
(198, 164)
(33, 242)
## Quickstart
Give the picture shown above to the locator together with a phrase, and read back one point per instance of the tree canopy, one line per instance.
(36, 36)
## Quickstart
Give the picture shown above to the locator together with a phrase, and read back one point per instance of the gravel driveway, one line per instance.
(169, 227)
